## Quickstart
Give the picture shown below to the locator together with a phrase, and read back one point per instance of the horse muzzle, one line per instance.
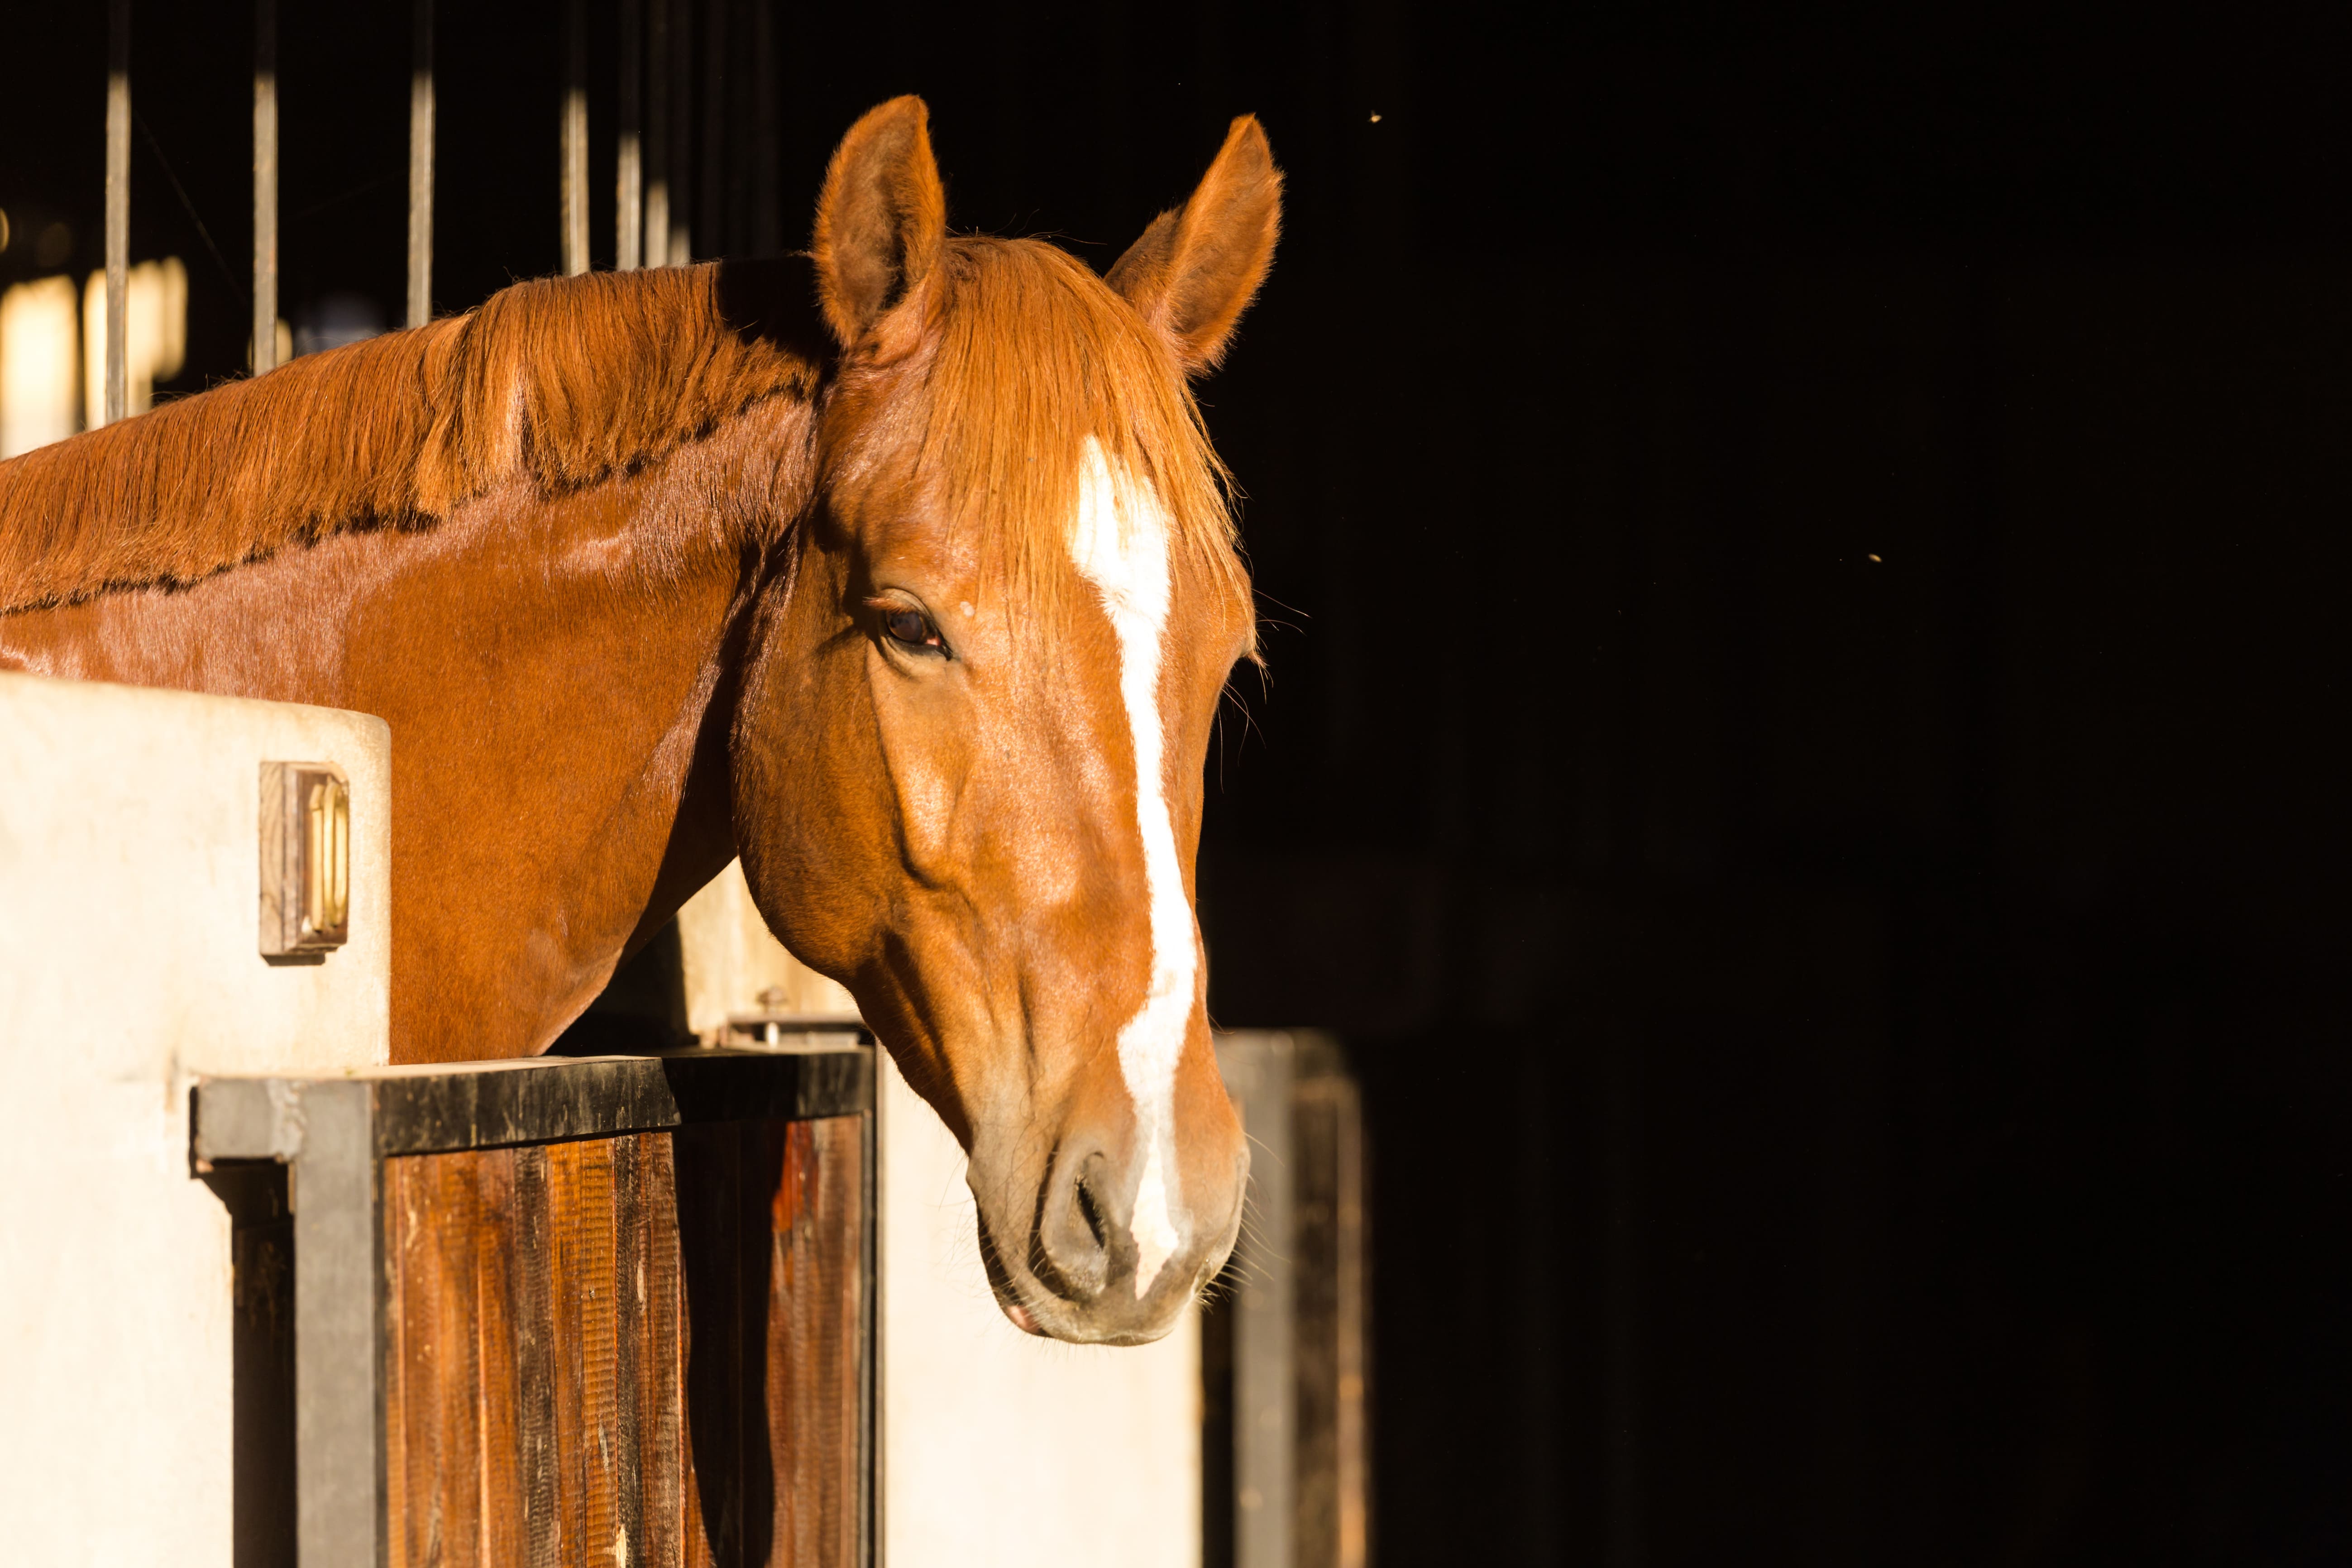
(1108, 1254)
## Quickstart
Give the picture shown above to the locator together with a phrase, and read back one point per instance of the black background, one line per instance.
(1801, 549)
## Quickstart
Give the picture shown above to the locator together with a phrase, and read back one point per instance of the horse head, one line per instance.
(976, 705)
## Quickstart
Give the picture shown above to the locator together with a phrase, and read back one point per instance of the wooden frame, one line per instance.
(428, 1201)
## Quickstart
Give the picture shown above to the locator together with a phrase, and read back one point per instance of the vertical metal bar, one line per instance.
(339, 1442)
(628, 212)
(681, 129)
(764, 219)
(576, 139)
(420, 168)
(712, 206)
(117, 210)
(265, 185)
(657, 149)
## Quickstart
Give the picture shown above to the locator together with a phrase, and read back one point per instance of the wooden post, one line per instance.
(628, 214)
(576, 139)
(1284, 1353)
(265, 185)
(420, 168)
(1259, 1070)
(117, 210)
(728, 1194)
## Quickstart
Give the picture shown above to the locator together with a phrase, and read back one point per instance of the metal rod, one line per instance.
(265, 185)
(628, 214)
(117, 210)
(764, 215)
(420, 168)
(656, 152)
(576, 139)
(712, 206)
(681, 129)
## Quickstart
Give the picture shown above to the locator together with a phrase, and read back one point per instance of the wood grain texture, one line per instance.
(1327, 1261)
(531, 1242)
(816, 1312)
(644, 1349)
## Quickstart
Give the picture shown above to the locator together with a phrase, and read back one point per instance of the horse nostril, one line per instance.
(1078, 1228)
(1091, 1214)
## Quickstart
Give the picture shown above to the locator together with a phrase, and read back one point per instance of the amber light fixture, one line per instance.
(306, 857)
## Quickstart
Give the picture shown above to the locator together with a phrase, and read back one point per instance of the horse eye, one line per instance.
(911, 627)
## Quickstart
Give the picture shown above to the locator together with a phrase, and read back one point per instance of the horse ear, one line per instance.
(882, 219)
(1194, 270)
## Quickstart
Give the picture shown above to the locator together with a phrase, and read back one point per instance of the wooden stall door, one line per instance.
(634, 1349)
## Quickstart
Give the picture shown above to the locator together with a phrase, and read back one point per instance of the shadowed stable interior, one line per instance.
(1801, 561)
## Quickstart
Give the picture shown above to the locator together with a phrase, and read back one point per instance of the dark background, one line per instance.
(1801, 551)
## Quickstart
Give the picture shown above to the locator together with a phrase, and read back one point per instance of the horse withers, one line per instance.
(903, 569)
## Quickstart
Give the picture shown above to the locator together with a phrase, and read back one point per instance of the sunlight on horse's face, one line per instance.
(1011, 898)
(968, 776)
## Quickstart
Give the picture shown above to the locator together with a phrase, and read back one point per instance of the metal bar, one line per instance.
(681, 129)
(712, 206)
(576, 139)
(339, 1431)
(656, 147)
(765, 218)
(420, 168)
(117, 210)
(628, 210)
(265, 185)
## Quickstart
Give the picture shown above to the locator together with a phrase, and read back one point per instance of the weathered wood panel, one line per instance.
(643, 1349)
(1285, 1440)
(815, 1375)
(1328, 1299)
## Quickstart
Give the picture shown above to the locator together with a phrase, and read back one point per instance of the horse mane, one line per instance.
(565, 381)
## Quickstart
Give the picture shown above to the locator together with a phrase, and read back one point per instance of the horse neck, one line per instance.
(553, 671)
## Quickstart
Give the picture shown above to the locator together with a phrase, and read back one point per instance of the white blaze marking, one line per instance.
(1120, 545)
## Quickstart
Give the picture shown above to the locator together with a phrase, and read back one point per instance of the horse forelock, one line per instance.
(1031, 357)
(560, 384)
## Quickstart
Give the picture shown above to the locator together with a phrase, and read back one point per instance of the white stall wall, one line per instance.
(730, 962)
(1002, 1449)
(130, 963)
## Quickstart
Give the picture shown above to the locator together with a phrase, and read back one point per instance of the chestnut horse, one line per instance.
(902, 569)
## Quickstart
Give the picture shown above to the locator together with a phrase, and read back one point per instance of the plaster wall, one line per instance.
(730, 962)
(129, 966)
(999, 1449)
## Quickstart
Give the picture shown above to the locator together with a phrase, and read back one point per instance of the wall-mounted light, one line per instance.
(306, 857)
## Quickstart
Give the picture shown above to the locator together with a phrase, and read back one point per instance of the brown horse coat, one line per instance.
(903, 570)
